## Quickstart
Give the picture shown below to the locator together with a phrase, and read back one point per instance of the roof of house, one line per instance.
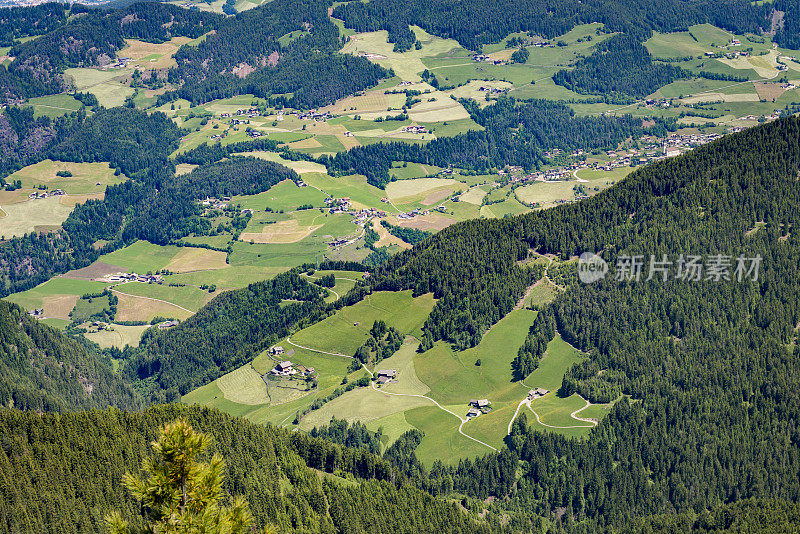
(284, 365)
(383, 379)
(483, 402)
(473, 411)
(387, 372)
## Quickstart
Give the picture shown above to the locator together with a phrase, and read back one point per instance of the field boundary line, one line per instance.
(114, 289)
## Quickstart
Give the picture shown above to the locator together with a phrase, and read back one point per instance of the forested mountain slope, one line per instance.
(43, 370)
(62, 473)
(93, 38)
(474, 23)
(709, 363)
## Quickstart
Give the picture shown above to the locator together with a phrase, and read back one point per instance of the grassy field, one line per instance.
(454, 377)
(119, 336)
(53, 106)
(106, 85)
(355, 187)
(87, 178)
(299, 167)
(153, 55)
(33, 215)
(347, 330)
(406, 65)
(57, 296)
(141, 257)
(188, 297)
(284, 196)
(190, 259)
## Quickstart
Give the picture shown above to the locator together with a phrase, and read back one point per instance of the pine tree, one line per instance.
(182, 494)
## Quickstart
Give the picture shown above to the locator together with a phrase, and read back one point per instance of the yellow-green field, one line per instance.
(87, 178)
(118, 336)
(33, 216)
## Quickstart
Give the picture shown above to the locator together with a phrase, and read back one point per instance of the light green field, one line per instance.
(406, 65)
(54, 291)
(442, 440)
(345, 281)
(455, 379)
(188, 297)
(33, 216)
(392, 426)
(559, 357)
(282, 196)
(339, 333)
(361, 404)
(416, 186)
(141, 257)
(231, 277)
(355, 187)
(119, 337)
(412, 170)
(673, 45)
(541, 294)
(708, 34)
(403, 361)
(510, 206)
(53, 106)
(244, 386)
(104, 84)
(84, 179)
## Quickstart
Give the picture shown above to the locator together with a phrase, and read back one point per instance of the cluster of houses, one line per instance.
(312, 115)
(44, 194)
(413, 213)
(492, 90)
(483, 58)
(775, 115)
(478, 407)
(415, 129)
(133, 277)
(338, 205)
(254, 134)
(360, 217)
(688, 142)
(215, 203)
(657, 103)
(386, 375)
(216, 137)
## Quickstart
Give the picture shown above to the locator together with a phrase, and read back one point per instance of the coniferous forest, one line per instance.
(704, 431)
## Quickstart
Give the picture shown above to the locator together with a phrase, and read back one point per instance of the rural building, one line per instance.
(480, 403)
(383, 379)
(473, 412)
(167, 324)
(276, 351)
(538, 392)
(390, 374)
(283, 369)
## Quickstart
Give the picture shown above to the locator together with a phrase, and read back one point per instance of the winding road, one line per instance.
(460, 427)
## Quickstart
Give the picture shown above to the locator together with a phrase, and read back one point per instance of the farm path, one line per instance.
(460, 427)
(339, 354)
(592, 422)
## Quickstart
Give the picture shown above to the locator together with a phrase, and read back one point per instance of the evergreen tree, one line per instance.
(183, 493)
